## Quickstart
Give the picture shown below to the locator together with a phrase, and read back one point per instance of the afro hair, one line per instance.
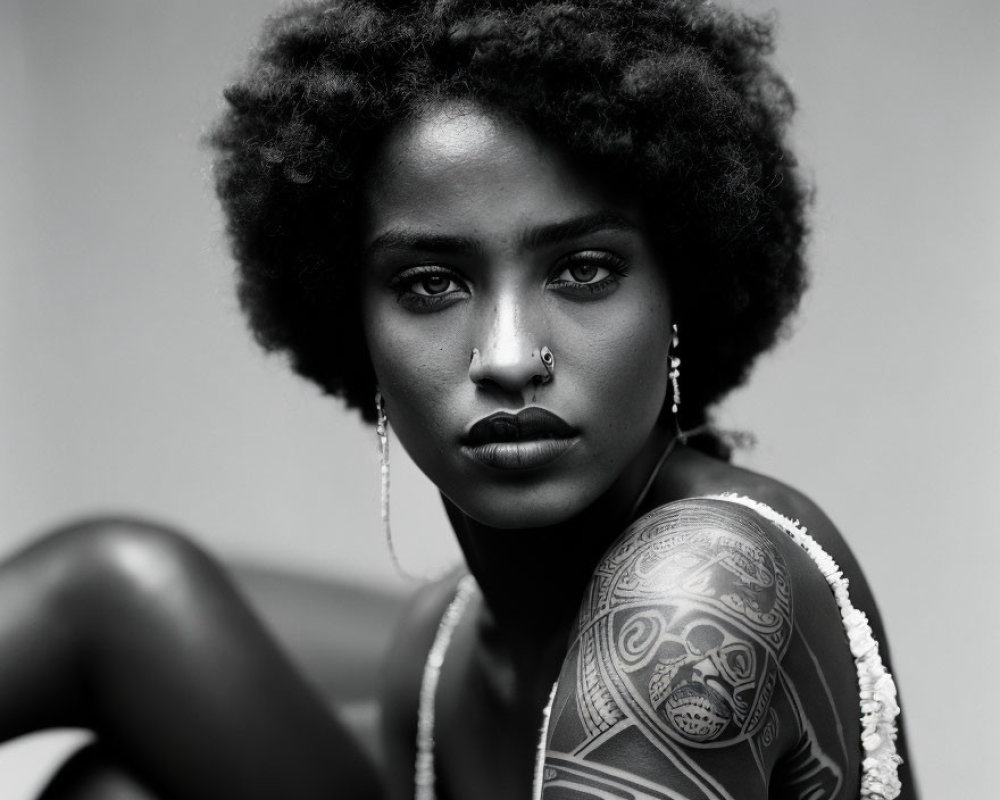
(674, 97)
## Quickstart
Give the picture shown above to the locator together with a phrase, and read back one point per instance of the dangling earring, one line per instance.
(382, 431)
(675, 373)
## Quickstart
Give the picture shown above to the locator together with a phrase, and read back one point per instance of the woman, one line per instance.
(540, 239)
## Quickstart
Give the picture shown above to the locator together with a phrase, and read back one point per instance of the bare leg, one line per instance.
(128, 629)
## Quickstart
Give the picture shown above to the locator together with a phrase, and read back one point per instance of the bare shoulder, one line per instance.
(709, 476)
(402, 676)
(685, 676)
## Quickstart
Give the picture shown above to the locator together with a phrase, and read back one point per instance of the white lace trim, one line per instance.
(536, 786)
(879, 707)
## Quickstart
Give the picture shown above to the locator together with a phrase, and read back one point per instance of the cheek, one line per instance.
(414, 368)
(392, 347)
(630, 374)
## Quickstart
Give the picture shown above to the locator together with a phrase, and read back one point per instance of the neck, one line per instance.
(533, 579)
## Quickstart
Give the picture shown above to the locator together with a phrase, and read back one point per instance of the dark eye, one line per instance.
(584, 272)
(588, 274)
(433, 285)
(428, 287)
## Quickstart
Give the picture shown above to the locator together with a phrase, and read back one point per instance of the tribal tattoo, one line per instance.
(678, 655)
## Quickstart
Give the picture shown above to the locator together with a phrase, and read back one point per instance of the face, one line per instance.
(706, 668)
(517, 320)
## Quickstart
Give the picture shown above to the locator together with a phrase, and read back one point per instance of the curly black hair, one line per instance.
(675, 97)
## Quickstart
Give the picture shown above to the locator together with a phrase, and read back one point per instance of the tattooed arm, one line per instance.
(709, 662)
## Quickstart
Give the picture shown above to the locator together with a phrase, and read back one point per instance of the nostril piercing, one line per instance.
(549, 362)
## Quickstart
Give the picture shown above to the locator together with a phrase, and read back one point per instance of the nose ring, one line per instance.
(549, 362)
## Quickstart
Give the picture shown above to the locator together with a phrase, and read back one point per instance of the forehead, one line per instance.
(447, 134)
(460, 166)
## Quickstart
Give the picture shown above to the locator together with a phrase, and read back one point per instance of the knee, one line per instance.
(97, 563)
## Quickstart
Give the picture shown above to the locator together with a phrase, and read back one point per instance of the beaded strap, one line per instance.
(424, 777)
(536, 786)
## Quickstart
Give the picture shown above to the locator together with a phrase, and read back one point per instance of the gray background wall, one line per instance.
(128, 382)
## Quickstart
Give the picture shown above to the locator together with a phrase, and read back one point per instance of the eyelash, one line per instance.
(404, 282)
(616, 267)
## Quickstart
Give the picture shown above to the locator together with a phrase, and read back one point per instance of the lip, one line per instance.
(531, 438)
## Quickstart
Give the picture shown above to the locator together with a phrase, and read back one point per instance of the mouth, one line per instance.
(701, 714)
(531, 438)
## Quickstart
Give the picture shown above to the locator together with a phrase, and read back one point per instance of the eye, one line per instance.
(433, 285)
(584, 272)
(588, 273)
(427, 287)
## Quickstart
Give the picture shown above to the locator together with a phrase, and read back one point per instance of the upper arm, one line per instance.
(676, 683)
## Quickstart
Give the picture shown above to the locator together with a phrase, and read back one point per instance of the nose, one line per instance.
(510, 355)
(704, 670)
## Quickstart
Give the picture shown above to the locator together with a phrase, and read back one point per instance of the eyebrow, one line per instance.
(557, 232)
(532, 238)
(416, 240)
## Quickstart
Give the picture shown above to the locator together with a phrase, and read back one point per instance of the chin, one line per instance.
(519, 513)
